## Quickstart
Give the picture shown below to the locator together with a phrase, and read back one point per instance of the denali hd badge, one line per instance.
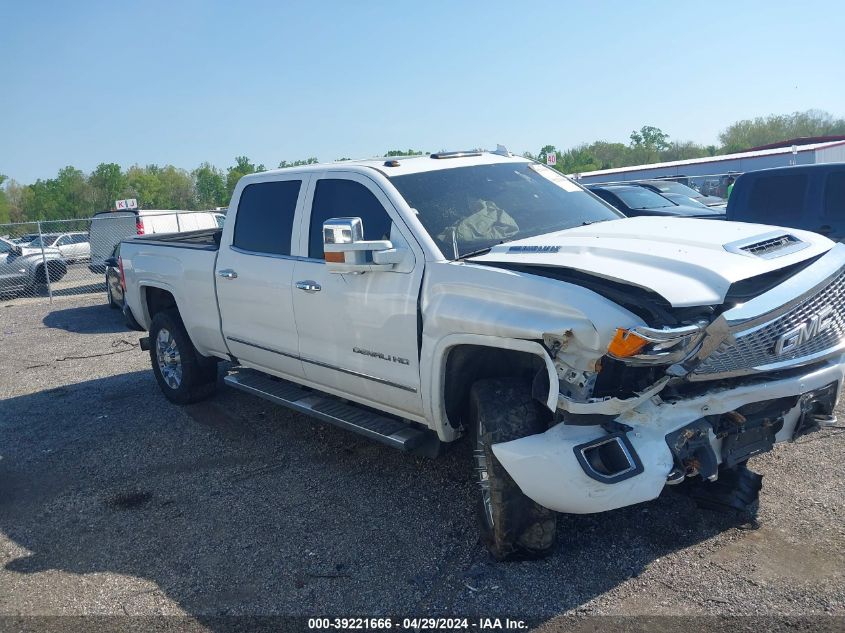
(533, 249)
(390, 357)
(809, 329)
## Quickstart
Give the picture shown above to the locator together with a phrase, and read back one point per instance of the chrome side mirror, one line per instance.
(346, 250)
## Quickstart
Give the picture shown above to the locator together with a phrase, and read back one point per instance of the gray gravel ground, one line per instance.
(113, 501)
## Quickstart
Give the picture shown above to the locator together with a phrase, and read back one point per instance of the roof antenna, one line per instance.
(501, 150)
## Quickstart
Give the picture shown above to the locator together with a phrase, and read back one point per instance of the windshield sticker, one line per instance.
(556, 177)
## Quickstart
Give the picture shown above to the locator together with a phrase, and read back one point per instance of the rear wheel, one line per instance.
(512, 525)
(112, 303)
(182, 374)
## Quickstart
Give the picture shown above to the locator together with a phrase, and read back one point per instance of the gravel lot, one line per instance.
(113, 501)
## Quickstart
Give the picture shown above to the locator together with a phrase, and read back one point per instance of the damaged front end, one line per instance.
(690, 401)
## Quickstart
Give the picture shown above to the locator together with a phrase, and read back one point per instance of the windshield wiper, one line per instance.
(480, 251)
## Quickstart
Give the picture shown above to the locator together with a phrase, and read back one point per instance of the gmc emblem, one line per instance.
(809, 329)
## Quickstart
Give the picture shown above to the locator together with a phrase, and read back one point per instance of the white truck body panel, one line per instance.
(682, 259)
(383, 338)
(543, 467)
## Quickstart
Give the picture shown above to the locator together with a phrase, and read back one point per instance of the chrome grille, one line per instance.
(754, 348)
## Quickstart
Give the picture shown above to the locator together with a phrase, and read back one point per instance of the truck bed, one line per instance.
(202, 239)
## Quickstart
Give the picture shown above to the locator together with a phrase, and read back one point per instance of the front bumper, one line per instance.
(546, 467)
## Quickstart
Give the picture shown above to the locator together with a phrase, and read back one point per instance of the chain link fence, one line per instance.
(51, 259)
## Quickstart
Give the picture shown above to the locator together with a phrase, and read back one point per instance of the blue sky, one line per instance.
(186, 81)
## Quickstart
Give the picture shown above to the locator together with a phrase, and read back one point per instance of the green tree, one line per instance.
(176, 189)
(65, 196)
(298, 163)
(749, 133)
(108, 184)
(165, 187)
(404, 152)
(242, 167)
(683, 150)
(577, 159)
(15, 195)
(5, 207)
(647, 143)
(143, 184)
(610, 155)
(210, 186)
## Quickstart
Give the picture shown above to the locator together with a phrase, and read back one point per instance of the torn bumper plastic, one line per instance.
(557, 471)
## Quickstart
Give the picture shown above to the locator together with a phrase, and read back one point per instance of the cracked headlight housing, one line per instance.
(652, 346)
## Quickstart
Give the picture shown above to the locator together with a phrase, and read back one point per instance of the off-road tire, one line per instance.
(199, 373)
(504, 410)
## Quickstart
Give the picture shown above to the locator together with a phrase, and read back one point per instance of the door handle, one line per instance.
(309, 286)
(228, 273)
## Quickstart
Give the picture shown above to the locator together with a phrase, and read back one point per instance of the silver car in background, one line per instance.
(24, 268)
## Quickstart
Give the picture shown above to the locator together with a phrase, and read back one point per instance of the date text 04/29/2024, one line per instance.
(417, 624)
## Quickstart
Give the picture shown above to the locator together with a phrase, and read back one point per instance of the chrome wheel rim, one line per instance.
(483, 475)
(169, 359)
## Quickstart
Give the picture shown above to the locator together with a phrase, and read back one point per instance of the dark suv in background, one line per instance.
(810, 197)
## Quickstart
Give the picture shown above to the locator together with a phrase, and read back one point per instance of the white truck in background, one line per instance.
(591, 359)
(108, 228)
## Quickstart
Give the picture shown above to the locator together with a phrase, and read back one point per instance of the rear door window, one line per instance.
(777, 199)
(264, 221)
(834, 195)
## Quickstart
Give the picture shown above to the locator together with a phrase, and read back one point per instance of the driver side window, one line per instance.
(338, 198)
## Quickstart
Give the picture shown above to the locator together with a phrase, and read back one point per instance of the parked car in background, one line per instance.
(114, 282)
(808, 197)
(670, 186)
(26, 238)
(22, 269)
(689, 202)
(110, 227)
(634, 200)
(74, 247)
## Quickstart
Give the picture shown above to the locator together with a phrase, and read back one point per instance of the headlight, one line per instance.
(650, 346)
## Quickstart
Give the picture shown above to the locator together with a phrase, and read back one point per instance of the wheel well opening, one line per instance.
(467, 364)
(158, 300)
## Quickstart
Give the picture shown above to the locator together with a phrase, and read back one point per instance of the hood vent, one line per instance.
(768, 246)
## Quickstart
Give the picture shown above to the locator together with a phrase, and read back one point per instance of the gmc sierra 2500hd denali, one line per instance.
(592, 359)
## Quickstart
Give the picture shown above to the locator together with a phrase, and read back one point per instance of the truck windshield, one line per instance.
(469, 209)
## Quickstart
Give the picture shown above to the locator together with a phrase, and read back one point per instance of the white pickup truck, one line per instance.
(591, 359)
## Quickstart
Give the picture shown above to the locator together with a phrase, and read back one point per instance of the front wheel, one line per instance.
(512, 525)
(182, 374)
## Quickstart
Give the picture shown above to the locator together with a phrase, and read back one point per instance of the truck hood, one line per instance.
(689, 262)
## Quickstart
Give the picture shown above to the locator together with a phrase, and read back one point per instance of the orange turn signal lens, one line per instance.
(625, 344)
